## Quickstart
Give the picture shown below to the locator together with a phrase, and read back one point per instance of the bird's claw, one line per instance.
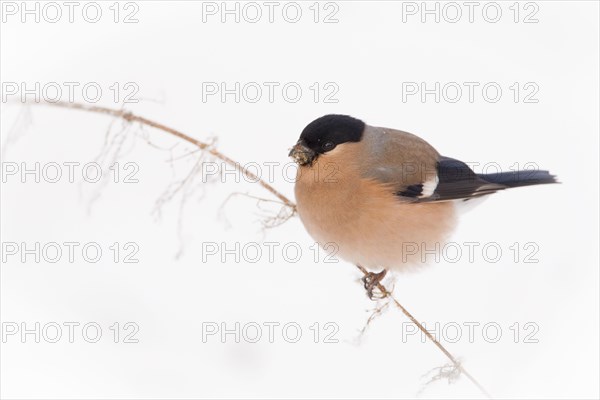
(371, 281)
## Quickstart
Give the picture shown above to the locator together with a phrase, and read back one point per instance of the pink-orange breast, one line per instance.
(368, 223)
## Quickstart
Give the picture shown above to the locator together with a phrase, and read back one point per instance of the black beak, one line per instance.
(302, 154)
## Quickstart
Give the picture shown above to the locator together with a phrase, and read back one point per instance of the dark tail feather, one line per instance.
(520, 178)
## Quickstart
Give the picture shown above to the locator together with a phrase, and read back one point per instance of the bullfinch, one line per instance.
(370, 191)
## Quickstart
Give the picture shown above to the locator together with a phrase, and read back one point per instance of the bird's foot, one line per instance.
(372, 281)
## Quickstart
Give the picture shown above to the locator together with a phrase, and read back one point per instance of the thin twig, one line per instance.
(130, 117)
(447, 371)
(454, 361)
(375, 313)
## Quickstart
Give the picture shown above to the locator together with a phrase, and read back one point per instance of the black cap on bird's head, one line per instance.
(324, 134)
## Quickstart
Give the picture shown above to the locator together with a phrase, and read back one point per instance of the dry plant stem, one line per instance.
(457, 364)
(128, 116)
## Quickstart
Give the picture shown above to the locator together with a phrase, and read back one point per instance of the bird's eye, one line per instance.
(327, 146)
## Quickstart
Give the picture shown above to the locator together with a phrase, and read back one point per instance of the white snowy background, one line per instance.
(367, 54)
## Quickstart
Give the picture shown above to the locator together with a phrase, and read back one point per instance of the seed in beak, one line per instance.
(302, 154)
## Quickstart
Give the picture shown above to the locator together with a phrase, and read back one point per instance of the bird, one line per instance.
(370, 191)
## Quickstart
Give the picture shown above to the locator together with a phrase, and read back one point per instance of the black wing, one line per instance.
(455, 180)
